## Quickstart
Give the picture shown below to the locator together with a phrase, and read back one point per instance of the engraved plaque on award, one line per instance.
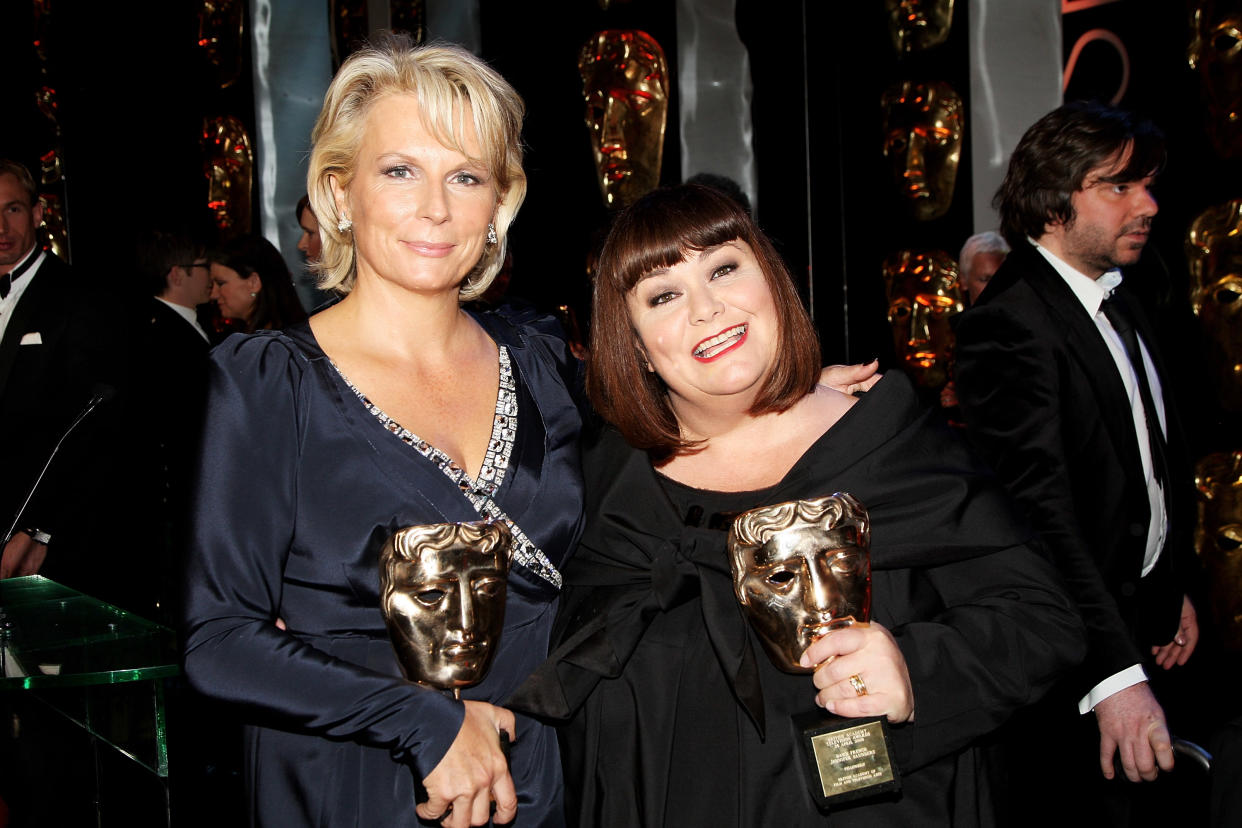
(800, 570)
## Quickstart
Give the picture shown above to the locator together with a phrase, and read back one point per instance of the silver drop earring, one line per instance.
(491, 234)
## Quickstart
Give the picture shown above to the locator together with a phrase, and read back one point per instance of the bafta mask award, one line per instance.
(625, 86)
(801, 570)
(442, 593)
(924, 294)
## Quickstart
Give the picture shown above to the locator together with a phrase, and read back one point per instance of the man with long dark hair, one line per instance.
(1061, 386)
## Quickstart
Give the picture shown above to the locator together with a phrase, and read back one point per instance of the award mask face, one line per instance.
(923, 144)
(1218, 539)
(800, 570)
(221, 27)
(915, 25)
(923, 295)
(442, 592)
(1216, 54)
(229, 167)
(1214, 256)
(625, 84)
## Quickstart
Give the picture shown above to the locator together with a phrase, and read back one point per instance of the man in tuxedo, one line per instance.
(171, 387)
(55, 354)
(1061, 387)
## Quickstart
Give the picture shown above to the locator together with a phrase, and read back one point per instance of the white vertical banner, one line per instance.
(1015, 79)
(714, 86)
(292, 69)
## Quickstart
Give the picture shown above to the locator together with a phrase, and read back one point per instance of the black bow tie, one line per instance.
(7, 280)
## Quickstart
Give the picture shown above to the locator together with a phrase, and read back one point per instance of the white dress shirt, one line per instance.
(9, 303)
(188, 315)
(1092, 293)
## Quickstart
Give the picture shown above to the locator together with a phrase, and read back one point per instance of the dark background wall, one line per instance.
(132, 88)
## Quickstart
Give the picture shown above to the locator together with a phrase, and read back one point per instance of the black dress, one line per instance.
(300, 486)
(676, 716)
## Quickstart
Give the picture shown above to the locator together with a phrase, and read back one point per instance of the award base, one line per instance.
(846, 759)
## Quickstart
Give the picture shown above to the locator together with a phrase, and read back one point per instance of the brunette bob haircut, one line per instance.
(1054, 157)
(660, 230)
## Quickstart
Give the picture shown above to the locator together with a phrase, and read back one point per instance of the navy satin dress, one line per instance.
(299, 488)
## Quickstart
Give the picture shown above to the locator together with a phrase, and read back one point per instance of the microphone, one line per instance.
(100, 394)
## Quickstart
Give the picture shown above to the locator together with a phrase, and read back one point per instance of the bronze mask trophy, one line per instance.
(1214, 257)
(625, 86)
(442, 593)
(801, 570)
(1218, 540)
(923, 126)
(923, 296)
(918, 25)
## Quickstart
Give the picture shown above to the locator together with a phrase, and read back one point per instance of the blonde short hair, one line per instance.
(449, 83)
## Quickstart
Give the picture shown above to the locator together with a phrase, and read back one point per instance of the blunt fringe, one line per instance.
(1055, 155)
(658, 231)
(451, 85)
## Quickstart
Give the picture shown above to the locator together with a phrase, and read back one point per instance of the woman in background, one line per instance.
(251, 283)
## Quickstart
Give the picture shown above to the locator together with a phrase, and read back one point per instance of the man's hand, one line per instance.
(1183, 644)
(23, 555)
(851, 379)
(1132, 722)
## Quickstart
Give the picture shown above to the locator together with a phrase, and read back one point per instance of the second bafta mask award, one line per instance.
(800, 570)
(442, 593)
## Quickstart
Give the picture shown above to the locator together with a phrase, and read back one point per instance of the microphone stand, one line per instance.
(100, 396)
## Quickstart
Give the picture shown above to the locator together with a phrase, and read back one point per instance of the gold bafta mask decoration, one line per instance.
(800, 570)
(53, 226)
(442, 593)
(1215, 53)
(923, 128)
(923, 295)
(229, 167)
(916, 25)
(625, 84)
(1214, 256)
(221, 27)
(1218, 539)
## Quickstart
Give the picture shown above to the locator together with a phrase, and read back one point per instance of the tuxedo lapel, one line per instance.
(1086, 346)
(37, 294)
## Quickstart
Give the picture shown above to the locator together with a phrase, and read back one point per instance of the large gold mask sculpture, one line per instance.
(1218, 539)
(229, 167)
(1216, 54)
(923, 295)
(625, 84)
(923, 128)
(800, 570)
(1214, 256)
(915, 25)
(221, 26)
(442, 593)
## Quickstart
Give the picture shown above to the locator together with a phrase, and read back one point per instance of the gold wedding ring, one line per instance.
(860, 687)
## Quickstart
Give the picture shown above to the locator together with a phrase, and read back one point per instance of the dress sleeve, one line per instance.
(245, 513)
(1008, 388)
(1006, 632)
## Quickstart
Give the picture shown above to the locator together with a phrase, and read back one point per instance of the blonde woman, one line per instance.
(394, 407)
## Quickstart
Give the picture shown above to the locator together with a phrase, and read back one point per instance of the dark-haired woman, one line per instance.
(250, 282)
(705, 362)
